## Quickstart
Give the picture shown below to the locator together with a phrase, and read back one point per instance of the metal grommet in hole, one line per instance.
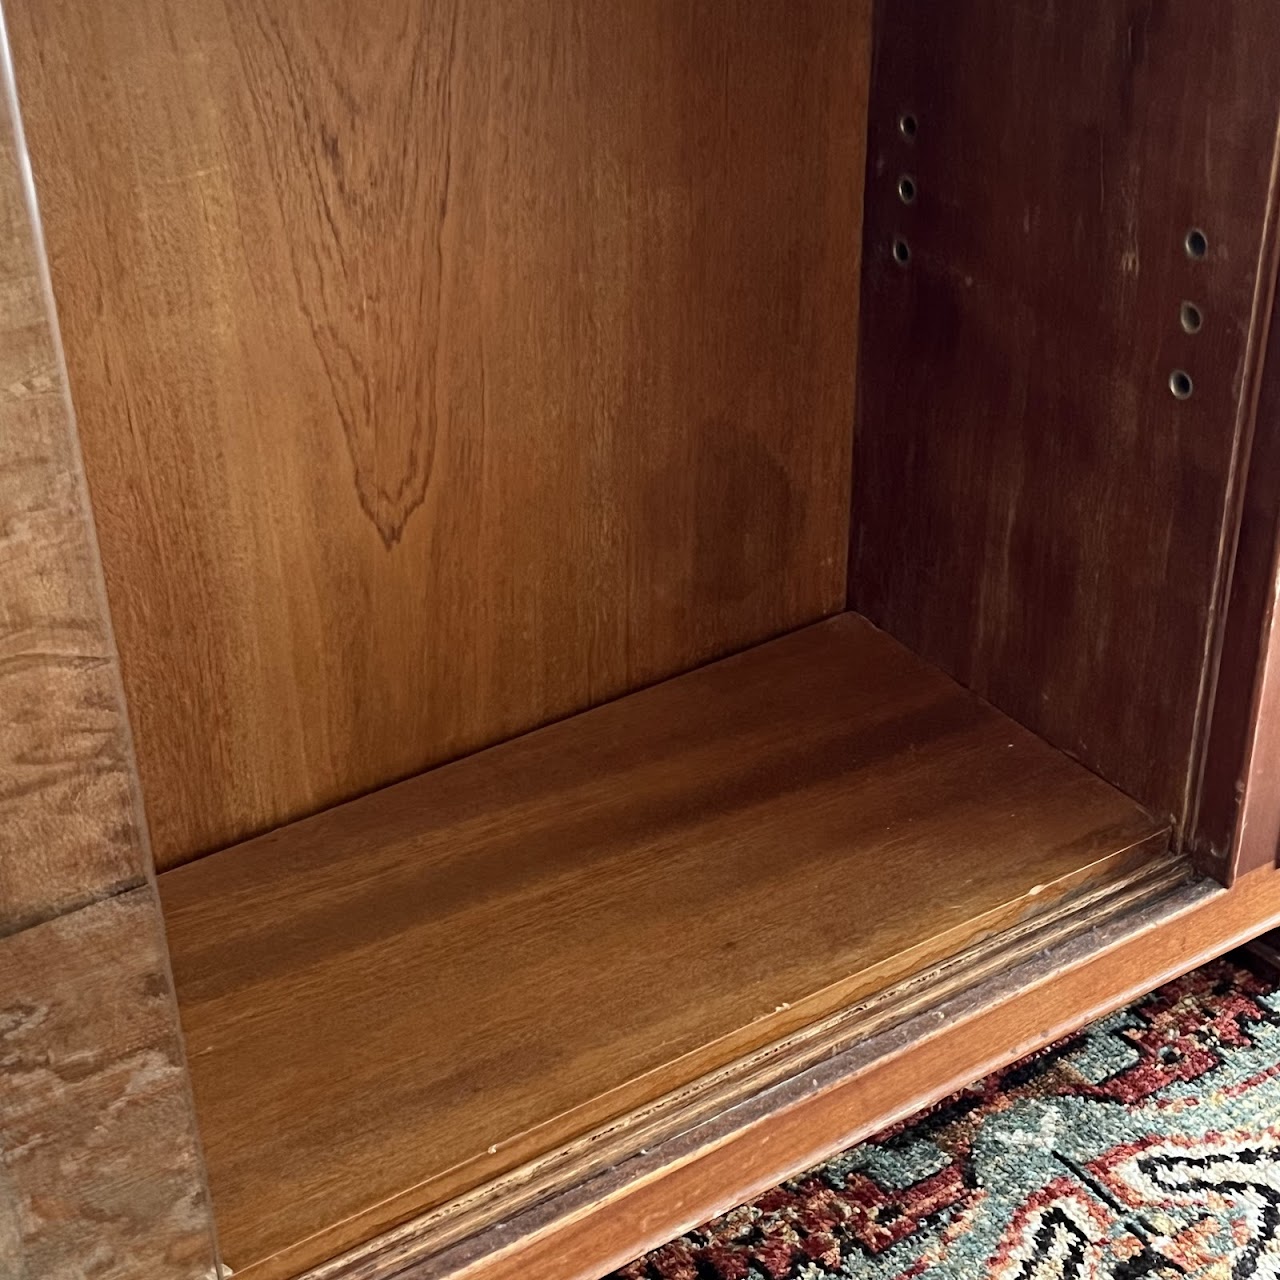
(1180, 384)
(1191, 318)
(1197, 243)
(907, 189)
(908, 125)
(901, 252)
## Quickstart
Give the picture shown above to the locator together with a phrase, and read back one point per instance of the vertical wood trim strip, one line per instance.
(70, 831)
(1233, 509)
(1257, 835)
(100, 1167)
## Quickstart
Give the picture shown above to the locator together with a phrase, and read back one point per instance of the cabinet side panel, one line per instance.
(1034, 507)
(66, 806)
(443, 369)
(100, 1169)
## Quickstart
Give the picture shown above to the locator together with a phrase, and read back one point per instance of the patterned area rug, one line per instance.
(1146, 1146)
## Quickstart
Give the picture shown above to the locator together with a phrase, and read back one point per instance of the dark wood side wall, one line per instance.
(443, 369)
(100, 1174)
(1033, 508)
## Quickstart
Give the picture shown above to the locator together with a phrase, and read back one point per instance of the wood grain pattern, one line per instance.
(443, 369)
(96, 1134)
(11, 1250)
(680, 1184)
(66, 805)
(100, 1174)
(1033, 509)
(461, 1227)
(464, 971)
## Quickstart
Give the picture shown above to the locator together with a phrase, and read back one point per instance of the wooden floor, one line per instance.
(395, 1001)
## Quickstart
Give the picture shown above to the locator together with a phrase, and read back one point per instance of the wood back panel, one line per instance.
(1033, 509)
(443, 369)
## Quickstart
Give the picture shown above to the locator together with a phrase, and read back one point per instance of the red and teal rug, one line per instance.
(1147, 1146)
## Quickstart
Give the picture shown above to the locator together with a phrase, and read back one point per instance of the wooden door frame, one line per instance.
(100, 1165)
(1234, 818)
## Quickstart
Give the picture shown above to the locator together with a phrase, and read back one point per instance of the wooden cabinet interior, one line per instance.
(446, 371)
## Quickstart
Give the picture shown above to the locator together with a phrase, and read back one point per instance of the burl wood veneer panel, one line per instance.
(100, 1175)
(1033, 509)
(66, 805)
(443, 369)
(98, 1155)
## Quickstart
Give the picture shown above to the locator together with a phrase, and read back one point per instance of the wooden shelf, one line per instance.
(396, 1001)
